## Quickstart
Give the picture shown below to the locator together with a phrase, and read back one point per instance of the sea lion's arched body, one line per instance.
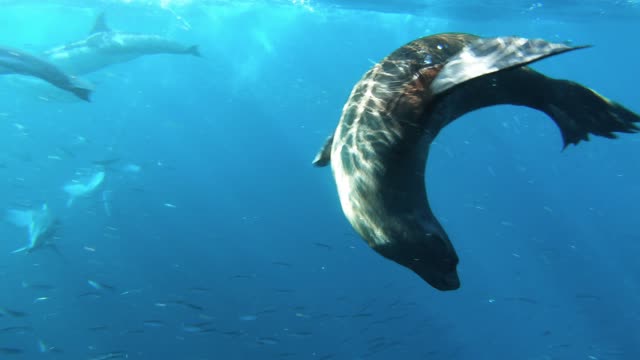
(379, 150)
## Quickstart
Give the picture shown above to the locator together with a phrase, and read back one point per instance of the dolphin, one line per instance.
(106, 195)
(14, 61)
(41, 224)
(76, 189)
(104, 47)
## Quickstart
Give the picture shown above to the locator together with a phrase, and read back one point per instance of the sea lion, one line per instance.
(379, 150)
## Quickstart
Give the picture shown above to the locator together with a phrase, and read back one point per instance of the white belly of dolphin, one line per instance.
(85, 60)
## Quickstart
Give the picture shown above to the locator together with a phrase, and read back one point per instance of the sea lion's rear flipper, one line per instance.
(489, 55)
(491, 71)
(578, 111)
(324, 155)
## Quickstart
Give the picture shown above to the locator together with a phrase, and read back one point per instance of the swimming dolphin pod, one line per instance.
(41, 225)
(104, 47)
(59, 66)
(14, 61)
(379, 149)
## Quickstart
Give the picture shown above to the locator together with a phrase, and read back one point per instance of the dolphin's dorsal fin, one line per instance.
(100, 25)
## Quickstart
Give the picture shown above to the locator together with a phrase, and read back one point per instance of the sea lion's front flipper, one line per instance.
(324, 155)
(489, 55)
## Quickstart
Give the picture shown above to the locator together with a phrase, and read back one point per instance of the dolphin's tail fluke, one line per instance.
(82, 93)
(81, 88)
(194, 50)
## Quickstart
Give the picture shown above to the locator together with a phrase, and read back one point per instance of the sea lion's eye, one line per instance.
(440, 47)
(428, 60)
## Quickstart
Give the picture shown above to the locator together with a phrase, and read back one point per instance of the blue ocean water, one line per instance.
(213, 237)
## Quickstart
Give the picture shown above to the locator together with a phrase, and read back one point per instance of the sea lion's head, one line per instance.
(430, 256)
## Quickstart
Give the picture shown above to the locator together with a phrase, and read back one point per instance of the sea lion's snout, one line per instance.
(443, 276)
(442, 281)
(434, 260)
